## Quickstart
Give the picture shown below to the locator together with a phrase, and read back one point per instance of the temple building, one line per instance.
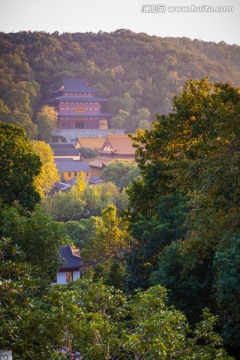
(118, 146)
(78, 107)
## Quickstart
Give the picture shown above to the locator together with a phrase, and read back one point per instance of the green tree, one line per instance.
(90, 318)
(116, 276)
(95, 320)
(23, 120)
(125, 103)
(160, 331)
(140, 120)
(194, 150)
(28, 327)
(18, 287)
(19, 100)
(46, 120)
(117, 122)
(88, 153)
(98, 197)
(32, 88)
(18, 168)
(151, 234)
(205, 342)
(120, 172)
(83, 232)
(4, 111)
(227, 284)
(64, 206)
(183, 287)
(38, 237)
(6, 80)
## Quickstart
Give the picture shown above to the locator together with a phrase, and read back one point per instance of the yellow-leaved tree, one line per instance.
(49, 174)
(81, 183)
(111, 238)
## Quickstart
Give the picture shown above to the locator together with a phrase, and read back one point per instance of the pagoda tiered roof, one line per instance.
(75, 86)
(79, 98)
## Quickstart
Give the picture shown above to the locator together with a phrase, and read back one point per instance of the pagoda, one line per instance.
(78, 107)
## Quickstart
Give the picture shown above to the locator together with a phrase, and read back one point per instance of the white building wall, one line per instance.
(61, 278)
(76, 275)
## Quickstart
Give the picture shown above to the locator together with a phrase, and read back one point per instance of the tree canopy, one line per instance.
(193, 152)
(18, 168)
(120, 172)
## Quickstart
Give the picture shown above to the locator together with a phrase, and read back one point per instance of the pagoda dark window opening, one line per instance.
(79, 125)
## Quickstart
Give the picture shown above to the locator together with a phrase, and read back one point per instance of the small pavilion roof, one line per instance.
(71, 260)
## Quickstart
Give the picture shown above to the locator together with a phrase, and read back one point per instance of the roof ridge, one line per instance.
(110, 140)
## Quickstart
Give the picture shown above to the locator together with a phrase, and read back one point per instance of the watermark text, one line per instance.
(162, 8)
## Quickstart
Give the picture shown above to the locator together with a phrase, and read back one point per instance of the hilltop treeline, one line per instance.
(137, 73)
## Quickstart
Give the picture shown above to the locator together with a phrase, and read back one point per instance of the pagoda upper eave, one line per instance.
(75, 86)
(84, 115)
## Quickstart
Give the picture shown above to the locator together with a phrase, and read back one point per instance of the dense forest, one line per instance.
(163, 233)
(137, 73)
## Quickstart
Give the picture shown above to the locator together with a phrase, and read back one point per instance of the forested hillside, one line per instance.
(137, 73)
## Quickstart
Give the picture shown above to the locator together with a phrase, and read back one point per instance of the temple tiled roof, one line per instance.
(61, 186)
(97, 163)
(66, 152)
(79, 98)
(71, 261)
(90, 142)
(119, 144)
(76, 85)
(69, 165)
(95, 180)
(61, 145)
(101, 162)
